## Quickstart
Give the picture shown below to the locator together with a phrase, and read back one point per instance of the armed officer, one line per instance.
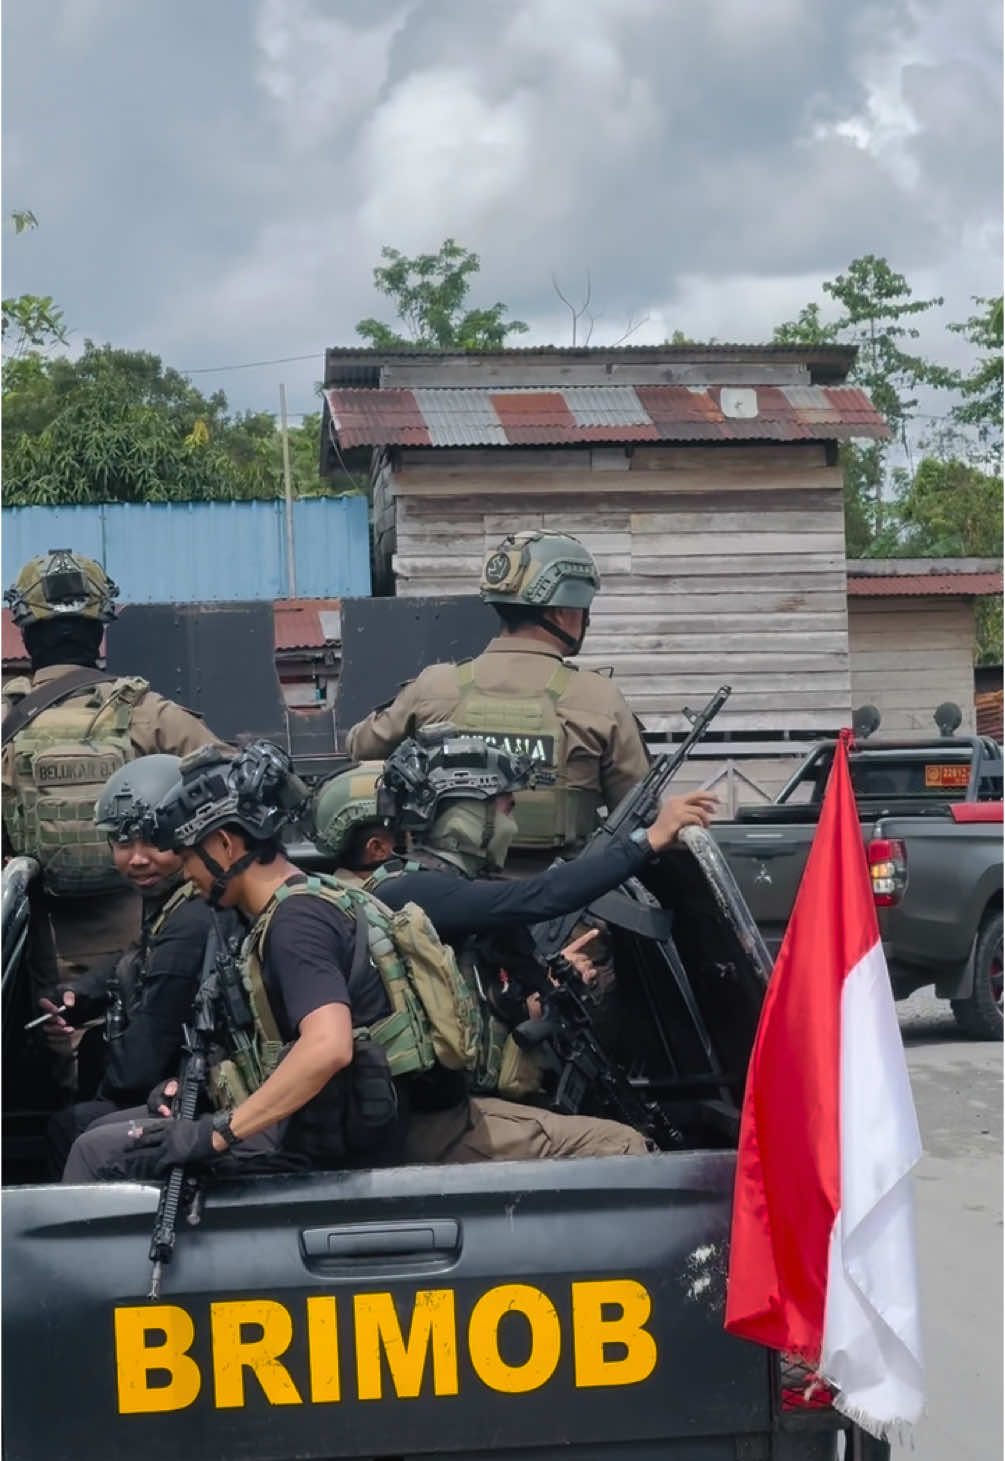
(148, 995)
(520, 696)
(349, 826)
(65, 730)
(454, 795)
(300, 1094)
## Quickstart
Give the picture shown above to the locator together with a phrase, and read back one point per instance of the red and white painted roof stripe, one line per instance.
(439, 416)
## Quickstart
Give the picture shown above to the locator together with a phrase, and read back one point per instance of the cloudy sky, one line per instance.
(214, 181)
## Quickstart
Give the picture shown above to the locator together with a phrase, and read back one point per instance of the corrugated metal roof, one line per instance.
(482, 416)
(718, 351)
(306, 623)
(14, 652)
(962, 585)
(990, 714)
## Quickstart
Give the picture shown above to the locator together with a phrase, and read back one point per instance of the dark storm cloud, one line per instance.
(215, 181)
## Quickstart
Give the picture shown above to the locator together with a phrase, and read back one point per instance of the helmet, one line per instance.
(59, 584)
(125, 808)
(346, 801)
(540, 569)
(439, 765)
(255, 790)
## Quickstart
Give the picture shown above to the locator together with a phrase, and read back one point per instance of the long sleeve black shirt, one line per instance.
(149, 1048)
(459, 907)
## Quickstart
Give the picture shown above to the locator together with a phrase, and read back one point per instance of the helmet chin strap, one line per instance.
(572, 644)
(222, 876)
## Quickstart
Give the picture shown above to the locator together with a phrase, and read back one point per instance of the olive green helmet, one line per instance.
(346, 801)
(58, 584)
(540, 569)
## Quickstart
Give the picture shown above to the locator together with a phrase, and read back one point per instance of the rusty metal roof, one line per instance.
(914, 585)
(307, 623)
(480, 416)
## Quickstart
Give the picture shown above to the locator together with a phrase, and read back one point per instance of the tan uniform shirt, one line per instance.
(85, 930)
(605, 752)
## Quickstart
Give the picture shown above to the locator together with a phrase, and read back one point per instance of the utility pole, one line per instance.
(291, 558)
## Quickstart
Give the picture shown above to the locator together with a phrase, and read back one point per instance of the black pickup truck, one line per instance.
(931, 814)
(523, 1311)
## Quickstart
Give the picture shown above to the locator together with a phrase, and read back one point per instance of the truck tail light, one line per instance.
(888, 870)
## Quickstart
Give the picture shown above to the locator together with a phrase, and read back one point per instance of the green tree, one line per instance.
(120, 426)
(30, 321)
(981, 408)
(878, 309)
(430, 295)
(951, 509)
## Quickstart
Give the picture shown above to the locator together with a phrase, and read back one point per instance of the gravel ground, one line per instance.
(958, 1189)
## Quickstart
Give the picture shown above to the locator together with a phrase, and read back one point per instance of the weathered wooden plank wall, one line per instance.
(910, 654)
(718, 564)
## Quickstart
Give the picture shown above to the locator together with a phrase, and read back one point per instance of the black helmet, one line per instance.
(126, 807)
(438, 765)
(255, 790)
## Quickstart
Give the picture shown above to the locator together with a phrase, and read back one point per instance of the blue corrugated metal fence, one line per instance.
(197, 552)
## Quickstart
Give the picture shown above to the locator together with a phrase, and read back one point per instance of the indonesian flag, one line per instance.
(822, 1259)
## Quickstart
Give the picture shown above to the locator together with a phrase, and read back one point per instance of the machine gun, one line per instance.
(585, 1073)
(196, 1042)
(637, 808)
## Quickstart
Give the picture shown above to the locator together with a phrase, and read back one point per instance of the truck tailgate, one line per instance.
(407, 1312)
(767, 863)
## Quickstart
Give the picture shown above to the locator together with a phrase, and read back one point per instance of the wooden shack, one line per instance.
(705, 481)
(911, 636)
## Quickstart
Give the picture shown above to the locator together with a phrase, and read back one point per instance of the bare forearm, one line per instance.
(295, 1081)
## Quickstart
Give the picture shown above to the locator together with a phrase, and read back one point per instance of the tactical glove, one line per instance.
(177, 1143)
(159, 1096)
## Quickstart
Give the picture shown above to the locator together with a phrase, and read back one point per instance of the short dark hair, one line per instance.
(517, 616)
(266, 849)
(354, 852)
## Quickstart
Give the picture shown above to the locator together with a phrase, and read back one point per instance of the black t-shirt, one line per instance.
(307, 963)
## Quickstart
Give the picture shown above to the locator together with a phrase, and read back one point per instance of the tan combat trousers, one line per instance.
(486, 1129)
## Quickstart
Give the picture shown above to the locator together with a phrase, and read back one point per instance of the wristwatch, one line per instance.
(221, 1124)
(641, 838)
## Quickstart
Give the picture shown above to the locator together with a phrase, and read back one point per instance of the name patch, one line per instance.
(70, 770)
(540, 749)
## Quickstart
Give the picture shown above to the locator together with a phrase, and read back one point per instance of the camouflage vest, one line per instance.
(433, 1015)
(59, 763)
(500, 1067)
(553, 817)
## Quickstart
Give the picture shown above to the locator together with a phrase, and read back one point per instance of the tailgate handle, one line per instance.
(382, 1240)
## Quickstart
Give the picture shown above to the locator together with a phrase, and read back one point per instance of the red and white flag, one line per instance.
(822, 1260)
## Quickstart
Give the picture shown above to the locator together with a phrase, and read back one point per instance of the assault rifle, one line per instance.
(637, 808)
(197, 1037)
(565, 1037)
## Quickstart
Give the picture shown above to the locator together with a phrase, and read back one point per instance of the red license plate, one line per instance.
(958, 775)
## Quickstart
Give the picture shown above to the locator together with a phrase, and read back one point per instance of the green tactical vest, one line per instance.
(60, 763)
(500, 1067)
(433, 1015)
(553, 817)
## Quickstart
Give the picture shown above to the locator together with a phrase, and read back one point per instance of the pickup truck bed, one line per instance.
(529, 1310)
(939, 925)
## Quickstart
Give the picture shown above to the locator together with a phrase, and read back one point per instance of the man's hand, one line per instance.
(575, 954)
(160, 1098)
(174, 1143)
(693, 810)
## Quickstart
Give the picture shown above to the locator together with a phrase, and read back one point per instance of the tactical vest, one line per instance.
(433, 1016)
(553, 817)
(131, 970)
(500, 1067)
(60, 762)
